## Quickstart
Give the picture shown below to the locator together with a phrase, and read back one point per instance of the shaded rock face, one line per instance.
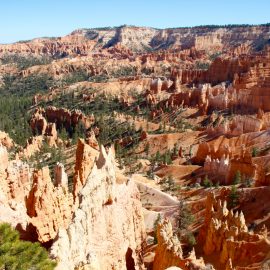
(107, 229)
(169, 251)
(225, 234)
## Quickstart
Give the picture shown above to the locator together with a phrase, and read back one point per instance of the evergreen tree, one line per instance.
(184, 218)
(254, 152)
(147, 146)
(237, 177)
(16, 254)
(233, 197)
(206, 182)
(157, 221)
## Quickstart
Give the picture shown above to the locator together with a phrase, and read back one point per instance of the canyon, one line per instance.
(139, 148)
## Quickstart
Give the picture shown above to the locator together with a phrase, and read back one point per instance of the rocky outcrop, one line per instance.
(60, 176)
(33, 145)
(85, 160)
(218, 168)
(14, 179)
(56, 47)
(169, 251)
(232, 147)
(61, 117)
(132, 38)
(3, 158)
(238, 125)
(6, 140)
(158, 85)
(48, 206)
(107, 230)
(225, 234)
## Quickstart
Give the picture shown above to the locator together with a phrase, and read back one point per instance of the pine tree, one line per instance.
(233, 197)
(185, 217)
(18, 254)
(157, 221)
(237, 177)
(147, 146)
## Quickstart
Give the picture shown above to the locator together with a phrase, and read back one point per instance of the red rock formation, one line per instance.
(33, 145)
(225, 234)
(69, 45)
(3, 158)
(66, 118)
(49, 207)
(169, 251)
(60, 176)
(85, 159)
(57, 118)
(232, 147)
(91, 140)
(107, 228)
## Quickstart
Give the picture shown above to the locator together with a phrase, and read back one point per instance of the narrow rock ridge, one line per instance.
(107, 228)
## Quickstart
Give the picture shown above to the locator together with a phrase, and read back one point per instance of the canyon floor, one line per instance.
(139, 148)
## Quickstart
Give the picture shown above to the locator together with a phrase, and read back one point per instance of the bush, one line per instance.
(206, 182)
(237, 178)
(191, 240)
(18, 254)
(254, 152)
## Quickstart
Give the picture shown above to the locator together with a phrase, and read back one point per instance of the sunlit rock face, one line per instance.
(225, 234)
(169, 251)
(100, 225)
(107, 228)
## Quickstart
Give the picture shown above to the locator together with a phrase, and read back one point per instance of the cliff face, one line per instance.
(83, 41)
(107, 230)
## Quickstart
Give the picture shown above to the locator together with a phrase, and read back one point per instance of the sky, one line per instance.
(27, 19)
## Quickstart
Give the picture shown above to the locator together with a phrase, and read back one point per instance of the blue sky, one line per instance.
(27, 19)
